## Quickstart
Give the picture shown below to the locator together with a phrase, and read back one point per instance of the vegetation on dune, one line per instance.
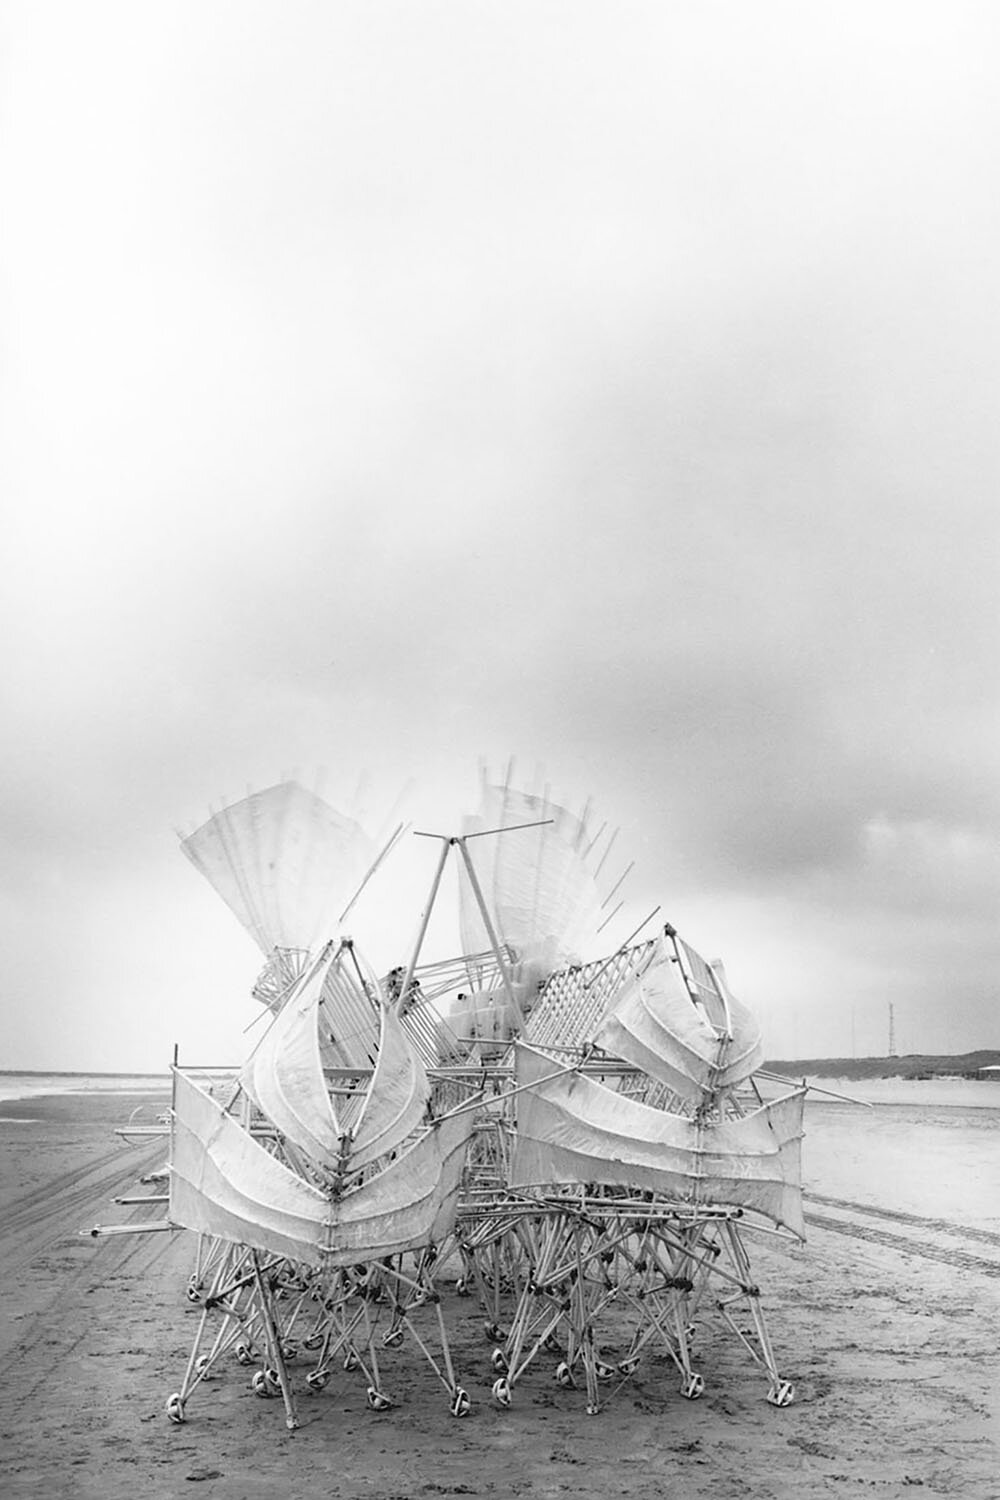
(912, 1065)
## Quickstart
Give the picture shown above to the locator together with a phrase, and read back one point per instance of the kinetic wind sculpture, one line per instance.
(584, 1137)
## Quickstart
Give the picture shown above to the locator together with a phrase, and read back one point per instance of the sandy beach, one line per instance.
(886, 1321)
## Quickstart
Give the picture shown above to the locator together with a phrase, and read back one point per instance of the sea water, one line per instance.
(936, 1160)
(33, 1085)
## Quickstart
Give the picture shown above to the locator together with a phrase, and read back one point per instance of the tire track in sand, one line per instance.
(907, 1244)
(898, 1216)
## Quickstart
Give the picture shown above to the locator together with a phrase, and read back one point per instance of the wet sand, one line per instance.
(887, 1321)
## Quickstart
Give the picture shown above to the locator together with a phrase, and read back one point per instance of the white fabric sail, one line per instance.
(284, 1075)
(285, 863)
(225, 1183)
(539, 891)
(572, 1129)
(412, 1203)
(285, 1079)
(745, 1051)
(397, 1095)
(655, 1025)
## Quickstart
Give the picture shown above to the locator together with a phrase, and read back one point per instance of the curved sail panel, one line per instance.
(397, 1095)
(572, 1129)
(412, 1203)
(744, 1053)
(223, 1183)
(654, 1025)
(285, 863)
(284, 1074)
(539, 891)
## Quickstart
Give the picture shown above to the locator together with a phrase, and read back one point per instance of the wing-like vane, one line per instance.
(224, 1183)
(285, 863)
(573, 1129)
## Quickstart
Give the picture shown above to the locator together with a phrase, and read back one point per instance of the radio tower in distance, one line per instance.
(892, 1032)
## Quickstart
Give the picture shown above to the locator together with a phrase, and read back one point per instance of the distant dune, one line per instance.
(913, 1065)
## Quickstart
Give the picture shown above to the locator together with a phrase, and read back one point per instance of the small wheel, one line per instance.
(202, 1365)
(266, 1383)
(192, 1293)
(318, 1380)
(350, 1360)
(393, 1338)
(593, 1411)
(244, 1354)
(551, 1344)
(564, 1375)
(175, 1409)
(691, 1332)
(781, 1394)
(498, 1360)
(502, 1391)
(627, 1366)
(462, 1288)
(494, 1333)
(377, 1401)
(693, 1387)
(289, 1352)
(460, 1405)
(603, 1371)
(314, 1341)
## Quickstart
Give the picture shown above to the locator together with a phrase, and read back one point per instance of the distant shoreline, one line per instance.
(78, 1073)
(921, 1066)
(914, 1065)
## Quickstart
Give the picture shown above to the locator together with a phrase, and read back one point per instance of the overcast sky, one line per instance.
(611, 385)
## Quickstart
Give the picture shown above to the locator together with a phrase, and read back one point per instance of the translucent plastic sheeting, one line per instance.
(538, 889)
(284, 862)
(397, 1095)
(284, 1077)
(412, 1203)
(744, 1053)
(225, 1183)
(654, 1024)
(284, 1074)
(572, 1129)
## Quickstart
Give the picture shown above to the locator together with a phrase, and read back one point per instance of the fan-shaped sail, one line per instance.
(285, 863)
(655, 1025)
(572, 1129)
(538, 888)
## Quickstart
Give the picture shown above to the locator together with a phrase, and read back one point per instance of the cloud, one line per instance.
(387, 389)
